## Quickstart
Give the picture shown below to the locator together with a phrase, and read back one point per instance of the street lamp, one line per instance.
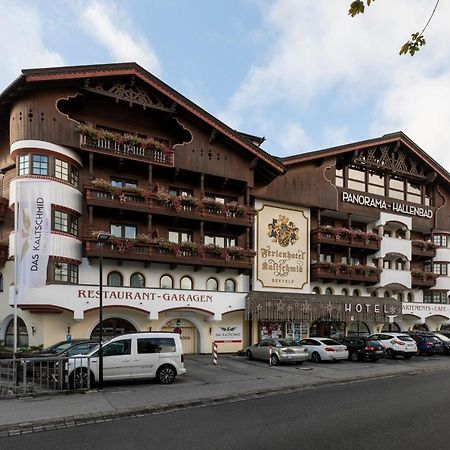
(101, 239)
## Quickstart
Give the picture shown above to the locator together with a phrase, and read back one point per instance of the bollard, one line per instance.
(215, 354)
(270, 355)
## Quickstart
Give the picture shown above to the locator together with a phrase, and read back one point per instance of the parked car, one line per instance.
(326, 349)
(427, 343)
(283, 351)
(396, 344)
(445, 342)
(361, 348)
(130, 356)
(445, 333)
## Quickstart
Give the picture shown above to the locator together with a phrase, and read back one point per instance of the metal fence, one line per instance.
(24, 376)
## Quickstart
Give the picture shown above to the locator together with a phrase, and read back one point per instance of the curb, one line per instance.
(130, 413)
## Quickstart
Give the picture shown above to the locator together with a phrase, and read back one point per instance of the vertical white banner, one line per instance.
(33, 230)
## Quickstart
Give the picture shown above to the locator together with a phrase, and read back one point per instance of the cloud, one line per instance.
(294, 139)
(323, 65)
(22, 42)
(110, 27)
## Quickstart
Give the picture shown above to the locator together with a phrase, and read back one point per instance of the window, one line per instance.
(435, 297)
(376, 184)
(220, 241)
(427, 267)
(355, 261)
(374, 294)
(221, 198)
(396, 188)
(410, 297)
(186, 283)
(386, 294)
(166, 282)
(344, 292)
(137, 280)
(22, 334)
(65, 273)
(328, 291)
(124, 231)
(340, 177)
(441, 240)
(39, 165)
(115, 279)
(356, 179)
(123, 183)
(65, 222)
(212, 284)
(174, 192)
(74, 176)
(24, 164)
(117, 348)
(400, 297)
(400, 264)
(440, 268)
(180, 236)
(386, 264)
(156, 345)
(413, 192)
(62, 169)
(1, 282)
(230, 285)
(326, 257)
(356, 293)
(316, 290)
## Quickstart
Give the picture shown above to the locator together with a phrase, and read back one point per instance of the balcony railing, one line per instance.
(183, 207)
(346, 238)
(423, 249)
(165, 252)
(419, 278)
(344, 272)
(163, 157)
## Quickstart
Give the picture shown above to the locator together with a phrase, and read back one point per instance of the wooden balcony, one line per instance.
(366, 242)
(162, 157)
(4, 202)
(421, 279)
(132, 250)
(345, 273)
(423, 249)
(242, 215)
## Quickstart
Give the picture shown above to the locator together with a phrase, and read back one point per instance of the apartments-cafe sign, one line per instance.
(392, 206)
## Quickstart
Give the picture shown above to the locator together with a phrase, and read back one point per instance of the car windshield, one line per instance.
(374, 343)
(443, 337)
(330, 342)
(288, 343)
(405, 338)
(58, 348)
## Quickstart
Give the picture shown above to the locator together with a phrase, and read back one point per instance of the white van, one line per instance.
(130, 356)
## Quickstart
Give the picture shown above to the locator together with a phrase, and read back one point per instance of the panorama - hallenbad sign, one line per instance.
(282, 247)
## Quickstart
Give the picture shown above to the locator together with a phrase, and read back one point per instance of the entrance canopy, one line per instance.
(278, 306)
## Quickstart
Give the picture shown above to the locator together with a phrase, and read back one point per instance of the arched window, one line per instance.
(166, 282)
(386, 294)
(410, 297)
(356, 293)
(344, 292)
(186, 283)
(230, 285)
(400, 296)
(358, 328)
(374, 293)
(113, 326)
(316, 290)
(115, 279)
(137, 280)
(328, 291)
(400, 264)
(391, 327)
(22, 335)
(212, 284)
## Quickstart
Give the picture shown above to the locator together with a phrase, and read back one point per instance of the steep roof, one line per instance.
(31, 76)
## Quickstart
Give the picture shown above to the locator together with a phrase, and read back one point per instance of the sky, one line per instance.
(301, 73)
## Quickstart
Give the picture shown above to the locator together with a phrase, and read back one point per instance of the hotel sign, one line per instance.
(282, 247)
(395, 207)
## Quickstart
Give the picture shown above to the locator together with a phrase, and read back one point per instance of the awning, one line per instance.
(276, 306)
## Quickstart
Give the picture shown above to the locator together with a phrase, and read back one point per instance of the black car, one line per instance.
(445, 339)
(427, 342)
(361, 348)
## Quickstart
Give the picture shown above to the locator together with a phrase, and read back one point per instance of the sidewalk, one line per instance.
(235, 379)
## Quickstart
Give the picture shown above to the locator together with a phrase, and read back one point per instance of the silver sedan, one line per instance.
(281, 350)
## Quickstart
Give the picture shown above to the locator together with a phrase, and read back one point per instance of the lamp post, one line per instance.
(101, 239)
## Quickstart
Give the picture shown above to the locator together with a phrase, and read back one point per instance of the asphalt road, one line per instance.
(408, 412)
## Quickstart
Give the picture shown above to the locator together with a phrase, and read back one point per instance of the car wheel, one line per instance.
(79, 379)
(390, 353)
(354, 357)
(407, 356)
(249, 355)
(165, 375)
(274, 360)
(315, 358)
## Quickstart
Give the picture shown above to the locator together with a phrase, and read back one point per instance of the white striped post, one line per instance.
(215, 354)
(270, 355)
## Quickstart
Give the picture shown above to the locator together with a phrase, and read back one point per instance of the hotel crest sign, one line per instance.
(282, 247)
